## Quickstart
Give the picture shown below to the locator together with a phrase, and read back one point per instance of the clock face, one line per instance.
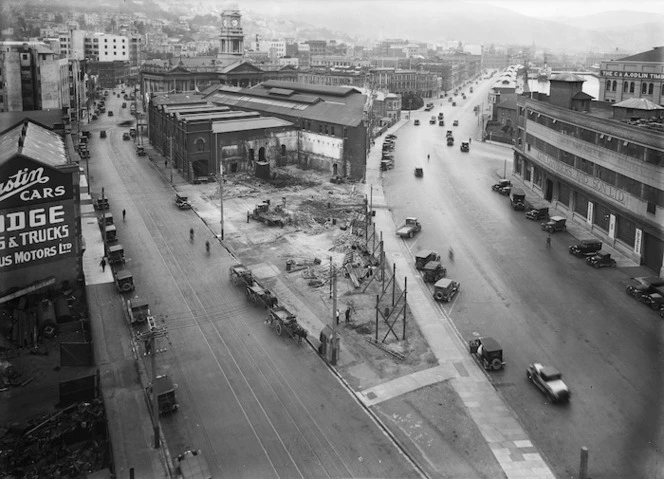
(234, 22)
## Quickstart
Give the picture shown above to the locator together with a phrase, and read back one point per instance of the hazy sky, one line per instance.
(575, 8)
(533, 8)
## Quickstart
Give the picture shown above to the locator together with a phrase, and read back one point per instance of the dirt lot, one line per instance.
(324, 221)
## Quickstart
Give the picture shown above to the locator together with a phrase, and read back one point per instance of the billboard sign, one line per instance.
(37, 214)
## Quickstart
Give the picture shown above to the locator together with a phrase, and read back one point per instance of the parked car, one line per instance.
(455, 123)
(432, 120)
(424, 256)
(644, 285)
(417, 122)
(102, 134)
(125, 136)
(465, 146)
(538, 213)
(445, 289)
(433, 271)
(441, 122)
(419, 173)
(549, 381)
(586, 247)
(410, 227)
(601, 260)
(654, 299)
(503, 187)
(488, 352)
(555, 223)
(110, 112)
(518, 199)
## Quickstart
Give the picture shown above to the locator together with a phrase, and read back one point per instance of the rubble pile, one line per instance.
(69, 443)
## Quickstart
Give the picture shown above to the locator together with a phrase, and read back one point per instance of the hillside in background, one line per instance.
(366, 21)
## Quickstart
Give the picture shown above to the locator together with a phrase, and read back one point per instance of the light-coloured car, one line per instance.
(549, 381)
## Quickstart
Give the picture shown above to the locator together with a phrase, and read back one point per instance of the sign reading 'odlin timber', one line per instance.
(37, 214)
(632, 75)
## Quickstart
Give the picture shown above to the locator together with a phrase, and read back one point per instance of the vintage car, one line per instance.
(555, 223)
(110, 112)
(586, 247)
(386, 164)
(432, 120)
(644, 285)
(445, 289)
(433, 271)
(417, 122)
(102, 134)
(410, 227)
(125, 136)
(517, 199)
(455, 123)
(182, 202)
(419, 173)
(140, 151)
(537, 212)
(488, 352)
(441, 122)
(503, 187)
(601, 260)
(549, 381)
(424, 256)
(465, 146)
(654, 299)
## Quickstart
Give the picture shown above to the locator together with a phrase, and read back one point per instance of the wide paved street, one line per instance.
(541, 304)
(256, 404)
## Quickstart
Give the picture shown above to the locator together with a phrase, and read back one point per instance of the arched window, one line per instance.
(644, 88)
(625, 87)
(651, 88)
(631, 87)
(615, 85)
(200, 144)
(283, 150)
(608, 85)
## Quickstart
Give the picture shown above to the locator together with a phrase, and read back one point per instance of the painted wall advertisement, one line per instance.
(37, 214)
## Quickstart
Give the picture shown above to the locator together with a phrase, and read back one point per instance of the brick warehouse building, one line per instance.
(604, 173)
(331, 121)
(39, 209)
(199, 136)
(316, 127)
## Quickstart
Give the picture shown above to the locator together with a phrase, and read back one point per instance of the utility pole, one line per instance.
(335, 341)
(221, 197)
(149, 338)
(172, 155)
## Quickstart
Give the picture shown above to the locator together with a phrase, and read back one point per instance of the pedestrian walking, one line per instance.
(337, 317)
(124, 215)
(348, 315)
(102, 263)
(470, 140)
(165, 163)
(548, 241)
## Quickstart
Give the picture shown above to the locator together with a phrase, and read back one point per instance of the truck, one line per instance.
(488, 352)
(182, 202)
(518, 199)
(410, 227)
(263, 214)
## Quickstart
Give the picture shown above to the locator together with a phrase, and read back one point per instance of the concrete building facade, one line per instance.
(605, 174)
(635, 76)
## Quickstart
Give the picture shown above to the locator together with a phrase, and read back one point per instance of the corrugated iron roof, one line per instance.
(638, 104)
(567, 77)
(656, 55)
(39, 144)
(260, 123)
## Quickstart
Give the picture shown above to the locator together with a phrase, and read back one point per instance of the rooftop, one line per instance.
(35, 142)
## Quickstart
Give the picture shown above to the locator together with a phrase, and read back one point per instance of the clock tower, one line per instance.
(231, 39)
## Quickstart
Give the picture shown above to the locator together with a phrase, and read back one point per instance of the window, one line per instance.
(615, 85)
(564, 193)
(644, 88)
(625, 230)
(283, 150)
(327, 130)
(333, 130)
(320, 128)
(200, 144)
(651, 88)
(631, 87)
(608, 85)
(625, 87)
(651, 208)
(581, 204)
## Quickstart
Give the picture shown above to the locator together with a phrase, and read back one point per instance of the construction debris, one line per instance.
(68, 443)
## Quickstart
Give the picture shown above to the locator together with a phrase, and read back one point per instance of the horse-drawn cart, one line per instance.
(284, 320)
(261, 296)
(240, 275)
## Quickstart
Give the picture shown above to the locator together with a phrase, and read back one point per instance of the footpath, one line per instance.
(498, 424)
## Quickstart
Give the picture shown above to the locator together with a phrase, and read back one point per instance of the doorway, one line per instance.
(261, 154)
(334, 169)
(548, 191)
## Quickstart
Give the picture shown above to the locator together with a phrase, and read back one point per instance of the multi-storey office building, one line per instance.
(605, 174)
